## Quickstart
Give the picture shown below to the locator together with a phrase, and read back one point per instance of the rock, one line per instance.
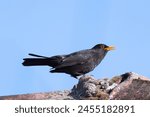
(128, 86)
(90, 88)
(132, 87)
(111, 87)
(58, 95)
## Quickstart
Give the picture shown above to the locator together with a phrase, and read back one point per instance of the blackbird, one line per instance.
(75, 64)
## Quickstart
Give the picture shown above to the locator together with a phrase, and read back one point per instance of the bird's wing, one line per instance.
(79, 57)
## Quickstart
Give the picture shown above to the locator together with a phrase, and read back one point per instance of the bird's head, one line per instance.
(104, 47)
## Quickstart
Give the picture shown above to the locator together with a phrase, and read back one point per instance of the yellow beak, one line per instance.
(109, 48)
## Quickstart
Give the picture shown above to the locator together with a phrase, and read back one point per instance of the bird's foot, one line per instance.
(86, 76)
(82, 76)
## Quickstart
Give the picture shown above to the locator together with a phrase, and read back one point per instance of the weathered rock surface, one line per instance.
(128, 86)
(58, 95)
(132, 87)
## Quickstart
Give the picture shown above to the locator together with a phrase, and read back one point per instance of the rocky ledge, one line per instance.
(128, 86)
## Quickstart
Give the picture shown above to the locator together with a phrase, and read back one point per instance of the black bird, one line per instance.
(75, 64)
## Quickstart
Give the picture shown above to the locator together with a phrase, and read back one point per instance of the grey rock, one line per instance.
(128, 86)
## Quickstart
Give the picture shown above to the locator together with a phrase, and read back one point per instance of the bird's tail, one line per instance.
(41, 60)
(35, 61)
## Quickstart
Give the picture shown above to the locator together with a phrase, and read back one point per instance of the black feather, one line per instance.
(75, 64)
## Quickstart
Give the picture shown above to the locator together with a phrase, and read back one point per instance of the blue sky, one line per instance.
(52, 27)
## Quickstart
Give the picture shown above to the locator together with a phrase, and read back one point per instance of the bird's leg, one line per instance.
(87, 75)
(74, 76)
(84, 75)
(92, 75)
